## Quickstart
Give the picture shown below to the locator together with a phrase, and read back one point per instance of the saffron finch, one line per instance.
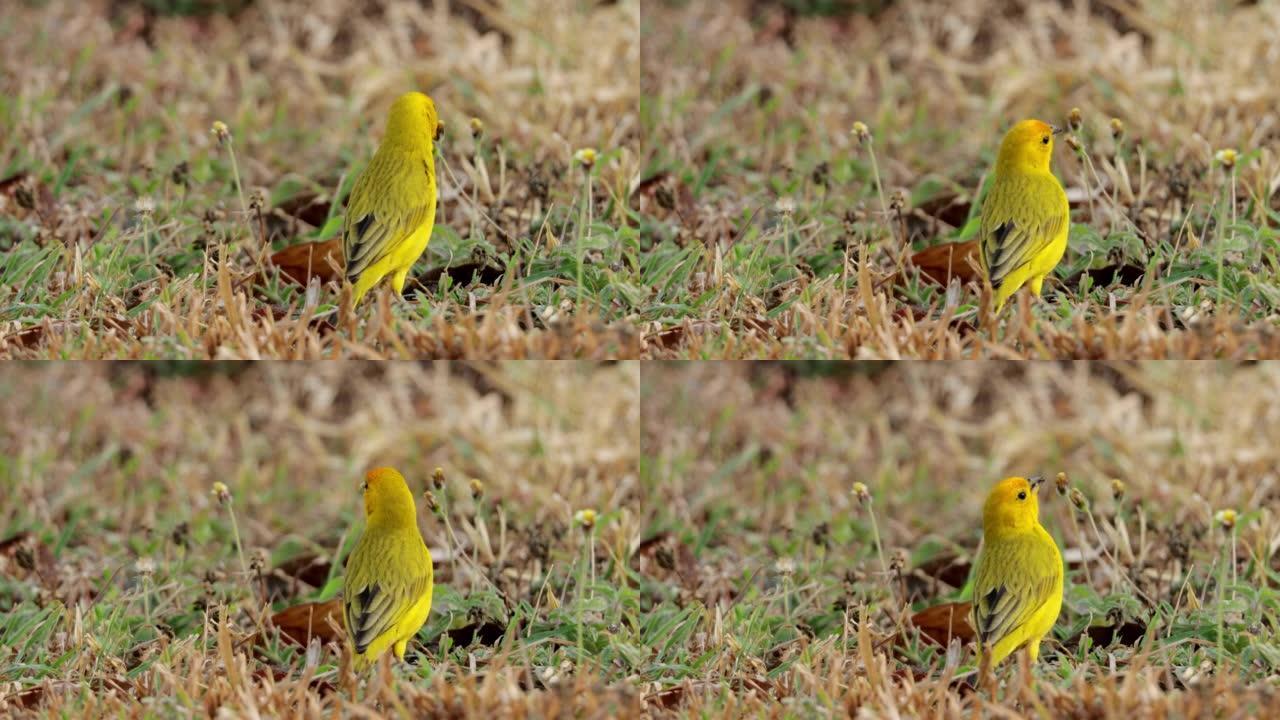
(1017, 590)
(387, 587)
(392, 207)
(1025, 216)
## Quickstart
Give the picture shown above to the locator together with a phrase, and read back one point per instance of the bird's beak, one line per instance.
(1035, 481)
(1056, 130)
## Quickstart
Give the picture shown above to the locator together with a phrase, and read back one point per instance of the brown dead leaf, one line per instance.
(941, 263)
(301, 262)
(300, 623)
(940, 623)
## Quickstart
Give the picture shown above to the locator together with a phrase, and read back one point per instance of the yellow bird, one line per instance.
(387, 587)
(392, 207)
(1017, 590)
(1025, 216)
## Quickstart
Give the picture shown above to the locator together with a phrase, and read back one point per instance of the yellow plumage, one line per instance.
(392, 207)
(1025, 216)
(388, 581)
(1017, 590)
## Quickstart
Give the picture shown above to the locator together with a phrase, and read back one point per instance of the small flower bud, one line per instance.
(861, 132)
(221, 132)
(1061, 483)
(437, 478)
(586, 156)
(222, 493)
(1078, 500)
(586, 518)
(1117, 489)
(1227, 157)
(1074, 119)
(1117, 127)
(477, 127)
(860, 492)
(1226, 518)
(429, 498)
(477, 488)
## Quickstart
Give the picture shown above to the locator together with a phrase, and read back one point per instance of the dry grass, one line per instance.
(788, 238)
(128, 231)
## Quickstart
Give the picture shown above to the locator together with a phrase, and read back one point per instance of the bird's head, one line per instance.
(1027, 146)
(1012, 506)
(387, 499)
(413, 120)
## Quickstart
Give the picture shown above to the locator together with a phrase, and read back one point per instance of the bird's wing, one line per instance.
(1014, 230)
(394, 196)
(1003, 598)
(374, 601)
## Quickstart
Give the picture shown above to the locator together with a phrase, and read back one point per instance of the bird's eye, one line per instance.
(1044, 140)
(1022, 495)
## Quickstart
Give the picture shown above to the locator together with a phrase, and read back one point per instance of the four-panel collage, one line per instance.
(639, 358)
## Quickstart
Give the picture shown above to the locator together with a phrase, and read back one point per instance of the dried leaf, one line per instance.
(941, 263)
(301, 262)
(940, 623)
(300, 623)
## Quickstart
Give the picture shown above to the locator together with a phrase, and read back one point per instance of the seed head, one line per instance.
(1227, 157)
(144, 206)
(477, 127)
(860, 492)
(586, 156)
(1061, 483)
(586, 518)
(1117, 489)
(1226, 518)
(1074, 143)
(429, 498)
(1078, 500)
(1117, 127)
(861, 132)
(258, 199)
(898, 561)
(437, 478)
(222, 493)
(221, 132)
(785, 566)
(898, 201)
(145, 566)
(1074, 119)
(477, 488)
